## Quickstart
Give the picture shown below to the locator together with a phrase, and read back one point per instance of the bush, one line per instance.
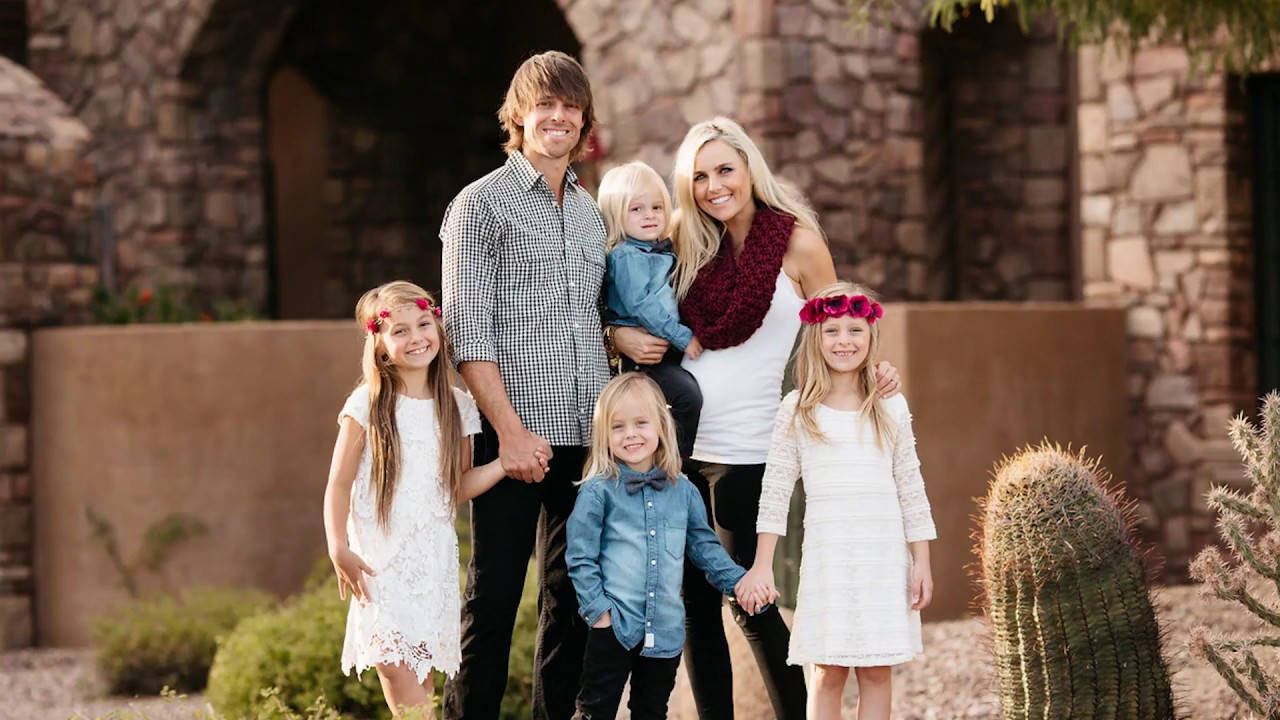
(167, 641)
(298, 651)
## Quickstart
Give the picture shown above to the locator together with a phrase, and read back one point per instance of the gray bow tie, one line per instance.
(634, 485)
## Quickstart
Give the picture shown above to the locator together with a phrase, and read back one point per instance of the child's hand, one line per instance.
(605, 620)
(693, 349)
(756, 589)
(921, 586)
(887, 382)
(351, 570)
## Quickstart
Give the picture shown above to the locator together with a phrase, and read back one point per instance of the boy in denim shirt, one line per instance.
(636, 209)
(635, 522)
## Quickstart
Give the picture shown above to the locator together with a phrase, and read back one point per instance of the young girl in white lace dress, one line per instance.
(864, 568)
(400, 466)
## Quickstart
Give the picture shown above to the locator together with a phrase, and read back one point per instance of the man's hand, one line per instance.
(887, 380)
(605, 621)
(524, 455)
(640, 346)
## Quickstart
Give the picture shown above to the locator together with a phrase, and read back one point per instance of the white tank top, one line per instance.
(742, 385)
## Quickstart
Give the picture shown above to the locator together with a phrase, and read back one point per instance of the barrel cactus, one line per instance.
(1073, 629)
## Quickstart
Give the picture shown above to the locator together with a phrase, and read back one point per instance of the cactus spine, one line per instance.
(1250, 527)
(1074, 632)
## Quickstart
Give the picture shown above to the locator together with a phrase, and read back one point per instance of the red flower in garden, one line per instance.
(144, 297)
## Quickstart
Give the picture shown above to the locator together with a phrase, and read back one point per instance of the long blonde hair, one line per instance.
(696, 235)
(813, 377)
(600, 461)
(385, 387)
(617, 189)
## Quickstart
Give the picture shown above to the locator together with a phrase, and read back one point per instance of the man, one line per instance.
(523, 263)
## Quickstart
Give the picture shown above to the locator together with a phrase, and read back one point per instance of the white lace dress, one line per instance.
(413, 616)
(862, 506)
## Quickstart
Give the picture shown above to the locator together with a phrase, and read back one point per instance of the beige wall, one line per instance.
(984, 379)
(233, 424)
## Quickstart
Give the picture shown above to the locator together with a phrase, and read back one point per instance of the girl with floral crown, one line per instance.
(864, 569)
(401, 465)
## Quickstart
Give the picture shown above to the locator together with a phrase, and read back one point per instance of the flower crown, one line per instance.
(422, 303)
(820, 309)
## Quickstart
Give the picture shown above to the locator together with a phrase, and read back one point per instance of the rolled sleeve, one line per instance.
(468, 277)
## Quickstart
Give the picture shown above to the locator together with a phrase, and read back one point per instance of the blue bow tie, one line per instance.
(656, 246)
(635, 481)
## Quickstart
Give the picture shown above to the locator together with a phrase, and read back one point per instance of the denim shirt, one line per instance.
(638, 291)
(626, 555)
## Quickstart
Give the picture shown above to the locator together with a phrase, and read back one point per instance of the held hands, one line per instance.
(887, 383)
(693, 349)
(606, 620)
(640, 346)
(524, 456)
(921, 586)
(756, 589)
(351, 570)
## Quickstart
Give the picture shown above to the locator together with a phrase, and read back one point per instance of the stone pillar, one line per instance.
(1165, 234)
(47, 272)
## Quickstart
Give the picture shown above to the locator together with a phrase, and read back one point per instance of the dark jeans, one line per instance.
(505, 521)
(732, 495)
(605, 668)
(682, 393)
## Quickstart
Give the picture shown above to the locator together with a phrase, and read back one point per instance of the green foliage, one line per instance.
(1072, 625)
(1250, 527)
(296, 649)
(268, 707)
(1240, 35)
(164, 641)
(165, 304)
(157, 540)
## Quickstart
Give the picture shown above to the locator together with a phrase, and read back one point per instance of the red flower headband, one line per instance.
(422, 303)
(859, 306)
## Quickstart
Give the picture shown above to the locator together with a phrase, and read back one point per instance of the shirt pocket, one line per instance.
(673, 539)
(527, 275)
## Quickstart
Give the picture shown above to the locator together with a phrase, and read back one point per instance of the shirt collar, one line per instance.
(656, 246)
(527, 175)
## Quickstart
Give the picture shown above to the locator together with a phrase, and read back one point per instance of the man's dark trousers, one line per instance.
(504, 524)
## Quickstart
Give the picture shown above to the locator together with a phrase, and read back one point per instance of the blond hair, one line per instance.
(618, 188)
(551, 74)
(696, 235)
(600, 461)
(385, 386)
(813, 377)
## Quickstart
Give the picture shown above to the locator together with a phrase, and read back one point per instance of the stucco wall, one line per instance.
(984, 379)
(232, 424)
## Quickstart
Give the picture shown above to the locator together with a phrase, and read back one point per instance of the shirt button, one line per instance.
(652, 533)
(575, 326)
(653, 562)
(646, 622)
(650, 594)
(651, 504)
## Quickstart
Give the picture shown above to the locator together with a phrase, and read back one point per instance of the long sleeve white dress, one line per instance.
(862, 506)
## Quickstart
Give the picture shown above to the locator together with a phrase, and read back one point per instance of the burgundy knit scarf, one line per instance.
(728, 300)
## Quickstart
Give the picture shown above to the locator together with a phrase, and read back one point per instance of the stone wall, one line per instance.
(938, 163)
(47, 270)
(1166, 234)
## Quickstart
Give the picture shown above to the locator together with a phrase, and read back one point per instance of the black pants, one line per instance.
(732, 495)
(605, 668)
(505, 521)
(682, 393)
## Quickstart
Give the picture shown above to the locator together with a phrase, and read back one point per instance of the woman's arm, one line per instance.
(348, 566)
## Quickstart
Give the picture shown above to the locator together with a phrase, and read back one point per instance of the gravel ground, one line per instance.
(952, 680)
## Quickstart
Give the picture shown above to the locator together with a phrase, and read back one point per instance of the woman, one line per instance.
(749, 252)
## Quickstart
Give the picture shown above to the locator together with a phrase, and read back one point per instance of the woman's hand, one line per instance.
(756, 589)
(351, 570)
(606, 620)
(640, 346)
(887, 383)
(921, 586)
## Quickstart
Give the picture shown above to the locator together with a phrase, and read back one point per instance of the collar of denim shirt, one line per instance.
(656, 246)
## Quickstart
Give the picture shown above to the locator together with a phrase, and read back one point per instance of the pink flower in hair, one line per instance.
(860, 307)
(835, 306)
(422, 303)
(879, 311)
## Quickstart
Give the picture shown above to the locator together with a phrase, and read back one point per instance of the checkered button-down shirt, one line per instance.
(521, 281)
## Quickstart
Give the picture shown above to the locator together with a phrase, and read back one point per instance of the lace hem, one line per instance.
(393, 649)
(855, 660)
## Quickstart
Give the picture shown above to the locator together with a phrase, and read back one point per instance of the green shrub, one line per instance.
(297, 650)
(169, 641)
